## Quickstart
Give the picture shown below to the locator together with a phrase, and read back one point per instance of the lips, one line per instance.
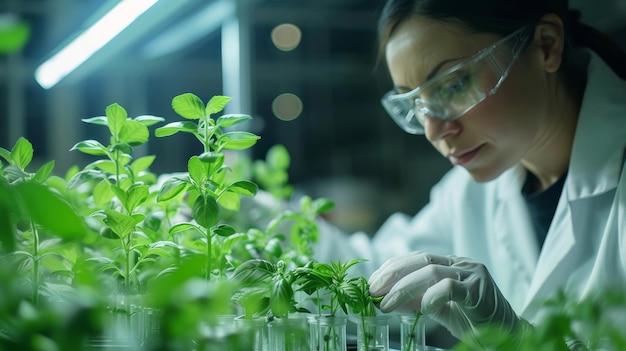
(462, 157)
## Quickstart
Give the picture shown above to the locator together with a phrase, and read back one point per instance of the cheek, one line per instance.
(515, 113)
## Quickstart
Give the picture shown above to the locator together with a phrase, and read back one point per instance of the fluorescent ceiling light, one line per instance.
(197, 26)
(90, 41)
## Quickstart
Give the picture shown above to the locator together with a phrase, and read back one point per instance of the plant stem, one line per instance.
(127, 252)
(319, 303)
(35, 263)
(364, 332)
(209, 253)
(412, 333)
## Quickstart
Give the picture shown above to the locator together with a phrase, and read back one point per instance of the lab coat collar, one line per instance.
(600, 140)
(595, 167)
(599, 143)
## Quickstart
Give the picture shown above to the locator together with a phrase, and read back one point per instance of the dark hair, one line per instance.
(504, 17)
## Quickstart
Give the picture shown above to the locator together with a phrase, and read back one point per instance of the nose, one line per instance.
(436, 129)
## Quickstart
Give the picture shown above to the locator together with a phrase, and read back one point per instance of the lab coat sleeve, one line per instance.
(429, 230)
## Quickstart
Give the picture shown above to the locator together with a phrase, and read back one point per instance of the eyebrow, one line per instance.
(432, 73)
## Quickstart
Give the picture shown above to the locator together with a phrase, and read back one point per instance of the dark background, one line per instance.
(343, 145)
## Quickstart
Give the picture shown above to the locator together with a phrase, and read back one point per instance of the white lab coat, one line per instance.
(585, 248)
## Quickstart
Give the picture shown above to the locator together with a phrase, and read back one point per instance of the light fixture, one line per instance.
(90, 41)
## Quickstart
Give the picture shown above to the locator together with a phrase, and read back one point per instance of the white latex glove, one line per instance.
(454, 291)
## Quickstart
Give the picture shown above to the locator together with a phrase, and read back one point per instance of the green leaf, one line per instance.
(197, 170)
(243, 187)
(188, 106)
(171, 188)
(99, 120)
(22, 153)
(212, 157)
(281, 297)
(231, 240)
(13, 173)
(44, 171)
(322, 205)
(224, 230)
(108, 233)
(219, 176)
(274, 248)
(230, 201)
(138, 218)
(181, 227)
(116, 117)
(121, 194)
(134, 133)
(90, 147)
(237, 140)
(232, 119)
(278, 157)
(120, 223)
(8, 207)
(205, 211)
(217, 104)
(148, 120)
(6, 154)
(157, 251)
(137, 195)
(102, 193)
(103, 165)
(50, 211)
(84, 176)
(124, 148)
(254, 272)
(142, 163)
(175, 127)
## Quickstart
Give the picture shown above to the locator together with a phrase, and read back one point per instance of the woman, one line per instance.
(527, 103)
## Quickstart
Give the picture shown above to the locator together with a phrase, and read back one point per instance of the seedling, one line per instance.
(121, 191)
(24, 197)
(207, 183)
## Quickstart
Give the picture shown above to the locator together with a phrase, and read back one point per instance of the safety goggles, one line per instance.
(453, 92)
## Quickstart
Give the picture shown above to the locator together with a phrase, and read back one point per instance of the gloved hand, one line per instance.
(454, 291)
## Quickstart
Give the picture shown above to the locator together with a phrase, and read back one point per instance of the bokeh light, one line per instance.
(286, 36)
(287, 107)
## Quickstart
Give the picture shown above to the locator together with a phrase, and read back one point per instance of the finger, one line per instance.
(443, 292)
(438, 303)
(469, 289)
(395, 269)
(408, 291)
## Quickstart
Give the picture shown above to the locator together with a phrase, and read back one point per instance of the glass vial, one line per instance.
(331, 334)
(288, 334)
(412, 333)
(372, 333)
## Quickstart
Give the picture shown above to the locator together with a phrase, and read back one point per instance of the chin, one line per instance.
(483, 175)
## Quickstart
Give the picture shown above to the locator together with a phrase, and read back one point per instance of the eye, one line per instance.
(458, 84)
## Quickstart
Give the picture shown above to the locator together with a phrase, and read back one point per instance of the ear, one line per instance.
(550, 36)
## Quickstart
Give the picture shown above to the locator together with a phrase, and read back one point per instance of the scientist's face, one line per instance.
(496, 133)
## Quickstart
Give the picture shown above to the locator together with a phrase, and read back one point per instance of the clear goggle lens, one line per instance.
(455, 91)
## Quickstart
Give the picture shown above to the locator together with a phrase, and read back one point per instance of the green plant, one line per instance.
(121, 193)
(272, 173)
(316, 277)
(35, 218)
(411, 335)
(207, 183)
(333, 277)
(267, 288)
